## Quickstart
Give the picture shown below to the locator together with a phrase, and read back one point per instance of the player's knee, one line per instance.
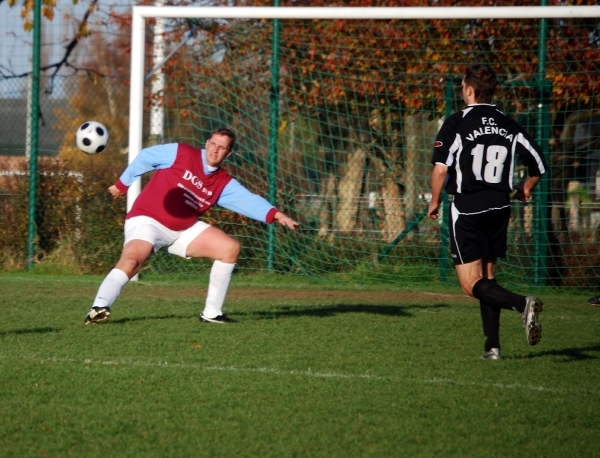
(129, 265)
(235, 249)
(467, 288)
(230, 251)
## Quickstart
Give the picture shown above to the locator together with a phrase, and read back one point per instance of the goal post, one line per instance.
(358, 114)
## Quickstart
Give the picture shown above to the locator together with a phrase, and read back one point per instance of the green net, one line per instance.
(336, 121)
(357, 105)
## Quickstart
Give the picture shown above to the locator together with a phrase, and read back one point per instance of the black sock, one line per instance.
(491, 293)
(490, 317)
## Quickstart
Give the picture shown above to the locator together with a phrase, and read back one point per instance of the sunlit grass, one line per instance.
(308, 370)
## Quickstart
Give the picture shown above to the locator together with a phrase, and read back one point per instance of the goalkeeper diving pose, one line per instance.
(188, 181)
(474, 159)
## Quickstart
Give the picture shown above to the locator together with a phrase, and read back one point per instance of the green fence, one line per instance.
(358, 105)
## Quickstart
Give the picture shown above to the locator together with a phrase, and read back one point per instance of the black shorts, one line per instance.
(478, 226)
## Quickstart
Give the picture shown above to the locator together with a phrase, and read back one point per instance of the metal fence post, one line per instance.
(273, 136)
(542, 136)
(445, 236)
(35, 107)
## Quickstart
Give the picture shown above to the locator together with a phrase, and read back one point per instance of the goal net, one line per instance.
(336, 110)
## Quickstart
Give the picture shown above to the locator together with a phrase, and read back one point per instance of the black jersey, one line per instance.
(479, 145)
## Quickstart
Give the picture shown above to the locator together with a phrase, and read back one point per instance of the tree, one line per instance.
(83, 30)
(27, 6)
(371, 92)
(407, 65)
(101, 96)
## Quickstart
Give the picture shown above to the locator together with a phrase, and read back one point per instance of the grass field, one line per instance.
(309, 370)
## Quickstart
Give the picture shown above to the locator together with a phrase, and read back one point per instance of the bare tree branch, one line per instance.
(70, 47)
(64, 62)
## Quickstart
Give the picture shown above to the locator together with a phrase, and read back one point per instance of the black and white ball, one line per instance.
(92, 137)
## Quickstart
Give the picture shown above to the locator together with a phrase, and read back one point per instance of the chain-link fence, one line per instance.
(359, 106)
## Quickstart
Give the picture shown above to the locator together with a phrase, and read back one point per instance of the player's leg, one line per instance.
(468, 275)
(478, 229)
(135, 253)
(473, 283)
(205, 241)
(143, 236)
(469, 245)
(215, 244)
(225, 250)
(490, 317)
(493, 294)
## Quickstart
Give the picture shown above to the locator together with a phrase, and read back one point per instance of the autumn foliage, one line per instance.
(358, 102)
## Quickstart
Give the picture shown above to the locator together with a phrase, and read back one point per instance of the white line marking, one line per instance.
(461, 296)
(302, 373)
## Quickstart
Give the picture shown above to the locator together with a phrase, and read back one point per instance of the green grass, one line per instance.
(310, 369)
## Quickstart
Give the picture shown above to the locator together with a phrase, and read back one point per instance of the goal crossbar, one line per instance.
(410, 12)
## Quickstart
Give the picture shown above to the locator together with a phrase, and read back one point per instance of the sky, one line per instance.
(16, 43)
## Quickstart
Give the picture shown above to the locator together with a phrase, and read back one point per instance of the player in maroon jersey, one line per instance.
(187, 182)
(474, 159)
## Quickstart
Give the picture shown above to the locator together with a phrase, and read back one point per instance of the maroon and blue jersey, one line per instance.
(184, 187)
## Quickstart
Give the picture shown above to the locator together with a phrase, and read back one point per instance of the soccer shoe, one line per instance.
(493, 354)
(533, 329)
(97, 315)
(218, 319)
(594, 300)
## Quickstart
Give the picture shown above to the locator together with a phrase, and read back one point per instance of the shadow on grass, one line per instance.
(569, 354)
(148, 318)
(388, 310)
(29, 331)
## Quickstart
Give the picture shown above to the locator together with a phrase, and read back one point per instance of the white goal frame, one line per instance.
(141, 13)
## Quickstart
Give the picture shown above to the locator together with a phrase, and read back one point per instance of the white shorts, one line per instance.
(151, 231)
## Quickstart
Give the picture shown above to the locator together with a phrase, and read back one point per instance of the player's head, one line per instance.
(224, 131)
(483, 80)
(219, 146)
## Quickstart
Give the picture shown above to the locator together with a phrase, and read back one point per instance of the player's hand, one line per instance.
(115, 191)
(520, 193)
(285, 220)
(434, 210)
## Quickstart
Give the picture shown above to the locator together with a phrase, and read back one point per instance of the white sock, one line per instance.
(110, 288)
(220, 276)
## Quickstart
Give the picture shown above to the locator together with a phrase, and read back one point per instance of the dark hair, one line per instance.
(226, 132)
(483, 80)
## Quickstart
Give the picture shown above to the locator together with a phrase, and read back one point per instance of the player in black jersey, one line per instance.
(474, 159)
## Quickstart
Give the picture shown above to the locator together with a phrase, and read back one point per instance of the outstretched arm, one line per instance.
(237, 198)
(151, 158)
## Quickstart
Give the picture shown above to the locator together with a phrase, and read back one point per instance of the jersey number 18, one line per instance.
(495, 155)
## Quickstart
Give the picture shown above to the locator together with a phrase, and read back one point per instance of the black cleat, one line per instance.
(217, 319)
(97, 315)
(594, 300)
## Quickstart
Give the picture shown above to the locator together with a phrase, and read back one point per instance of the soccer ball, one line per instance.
(92, 137)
